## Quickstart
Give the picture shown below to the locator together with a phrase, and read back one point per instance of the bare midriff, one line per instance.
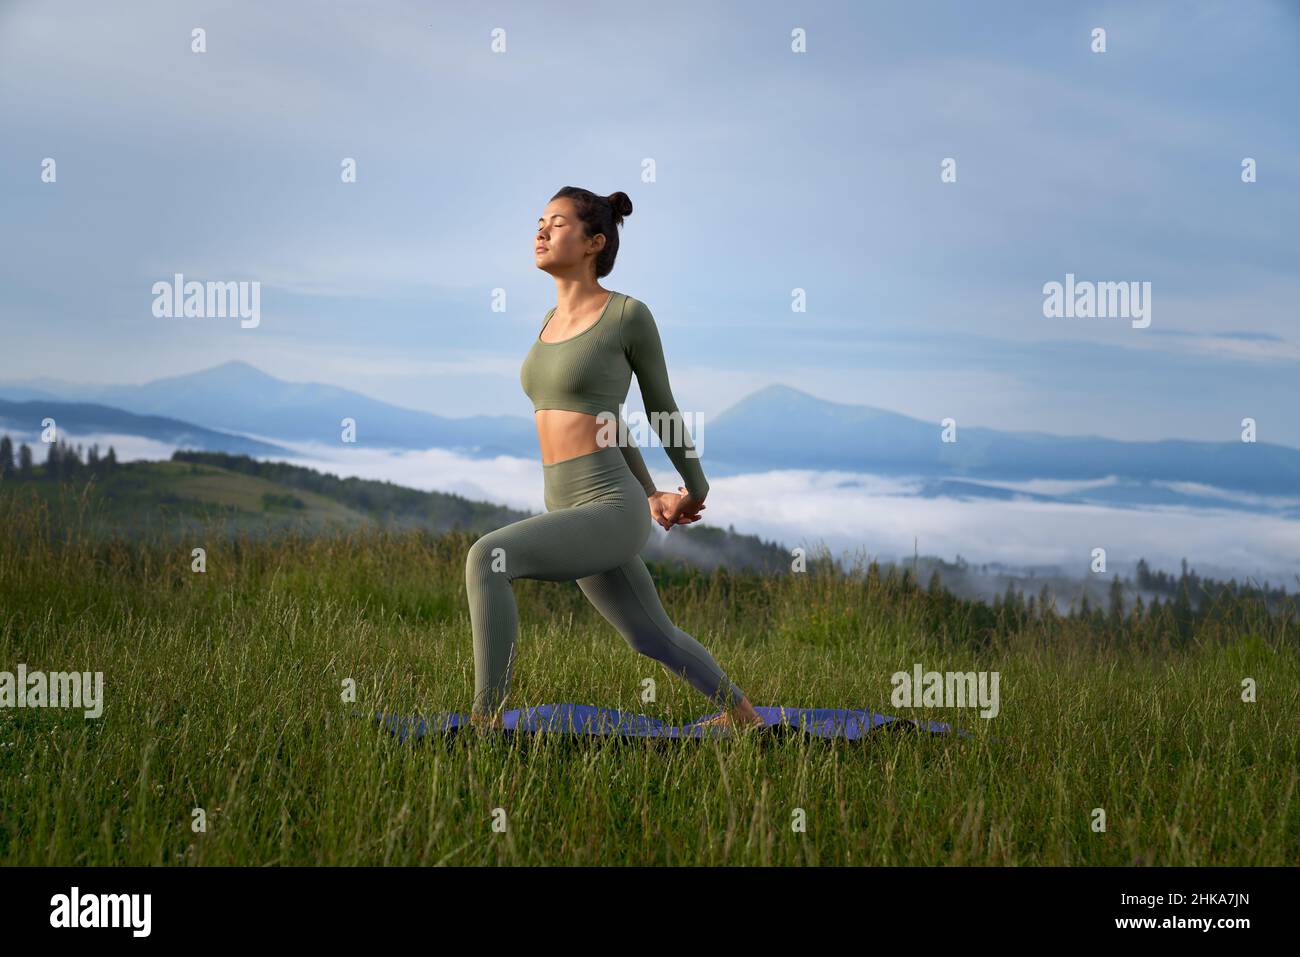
(565, 435)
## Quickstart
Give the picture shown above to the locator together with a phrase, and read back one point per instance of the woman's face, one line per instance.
(559, 246)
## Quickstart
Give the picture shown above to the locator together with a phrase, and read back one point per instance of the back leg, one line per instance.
(627, 598)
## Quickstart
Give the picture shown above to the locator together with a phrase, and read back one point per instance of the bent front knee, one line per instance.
(485, 557)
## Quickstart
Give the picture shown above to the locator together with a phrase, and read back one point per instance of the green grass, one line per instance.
(170, 497)
(222, 692)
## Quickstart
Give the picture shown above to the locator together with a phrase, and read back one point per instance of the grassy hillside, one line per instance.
(223, 694)
(235, 494)
(178, 497)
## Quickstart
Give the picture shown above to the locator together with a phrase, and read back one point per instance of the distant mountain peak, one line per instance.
(239, 364)
(776, 390)
(235, 373)
(780, 395)
(237, 367)
(778, 402)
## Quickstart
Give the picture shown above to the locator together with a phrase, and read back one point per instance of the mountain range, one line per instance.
(237, 408)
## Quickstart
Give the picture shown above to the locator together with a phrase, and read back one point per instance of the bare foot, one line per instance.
(742, 715)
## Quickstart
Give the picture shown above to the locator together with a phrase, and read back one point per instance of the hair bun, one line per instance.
(621, 204)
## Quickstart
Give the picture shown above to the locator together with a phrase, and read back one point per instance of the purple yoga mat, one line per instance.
(591, 721)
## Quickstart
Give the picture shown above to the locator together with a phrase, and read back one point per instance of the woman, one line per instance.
(599, 495)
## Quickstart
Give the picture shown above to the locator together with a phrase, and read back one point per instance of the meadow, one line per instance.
(224, 705)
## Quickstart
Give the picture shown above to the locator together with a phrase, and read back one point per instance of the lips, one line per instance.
(540, 249)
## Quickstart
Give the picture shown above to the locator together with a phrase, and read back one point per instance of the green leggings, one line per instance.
(596, 523)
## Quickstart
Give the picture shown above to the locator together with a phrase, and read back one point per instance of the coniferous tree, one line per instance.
(1116, 601)
(1182, 611)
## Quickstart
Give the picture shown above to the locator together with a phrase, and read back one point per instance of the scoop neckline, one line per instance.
(608, 302)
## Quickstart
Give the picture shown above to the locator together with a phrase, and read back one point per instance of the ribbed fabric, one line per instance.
(595, 526)
(592, 371)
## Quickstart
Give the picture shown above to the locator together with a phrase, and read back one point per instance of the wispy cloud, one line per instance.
(774, 171)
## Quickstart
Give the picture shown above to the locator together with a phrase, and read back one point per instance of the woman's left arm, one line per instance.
(645, 353)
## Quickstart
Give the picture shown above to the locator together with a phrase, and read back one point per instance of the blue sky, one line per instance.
(774, 170)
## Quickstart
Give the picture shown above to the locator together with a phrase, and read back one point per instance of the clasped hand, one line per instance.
(669, 508)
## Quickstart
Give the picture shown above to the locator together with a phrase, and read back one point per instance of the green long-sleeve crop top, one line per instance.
(592, 371)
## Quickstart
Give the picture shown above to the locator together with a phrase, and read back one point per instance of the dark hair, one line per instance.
(599, 214)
